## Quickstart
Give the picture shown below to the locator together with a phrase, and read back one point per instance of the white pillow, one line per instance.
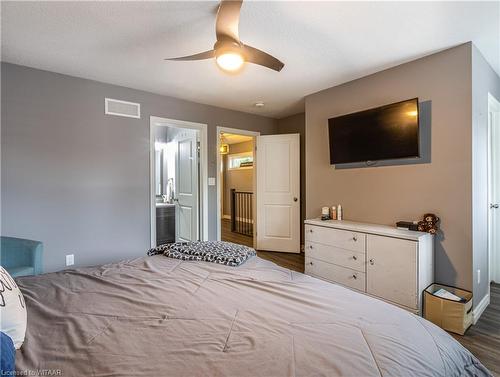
(13, 316)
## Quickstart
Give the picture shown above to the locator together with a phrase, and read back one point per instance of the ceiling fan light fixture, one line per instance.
(229, 52)
(230, 61)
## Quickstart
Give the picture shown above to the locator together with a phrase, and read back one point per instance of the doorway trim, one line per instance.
(236, 131)
(203, 128)
(493, 106)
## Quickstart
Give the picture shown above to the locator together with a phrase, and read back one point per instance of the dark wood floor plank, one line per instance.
(291, 261)
(482, 339)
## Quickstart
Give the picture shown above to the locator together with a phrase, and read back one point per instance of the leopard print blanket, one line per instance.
(221, 252)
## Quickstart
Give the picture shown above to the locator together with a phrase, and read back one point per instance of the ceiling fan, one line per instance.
(229, 52)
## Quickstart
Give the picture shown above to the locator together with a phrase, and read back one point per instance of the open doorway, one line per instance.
(268, 216)
(494, 189)
(178, 181)
(236, 177)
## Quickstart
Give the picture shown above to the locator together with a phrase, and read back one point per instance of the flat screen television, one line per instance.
(382, 133)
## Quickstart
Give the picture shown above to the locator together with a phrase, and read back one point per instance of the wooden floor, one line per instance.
(482, 339)
(291, 261)
(227, 235)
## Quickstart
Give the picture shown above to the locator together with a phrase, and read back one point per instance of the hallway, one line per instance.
(291, 261)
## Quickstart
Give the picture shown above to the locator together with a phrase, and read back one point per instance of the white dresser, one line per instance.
(392, 264)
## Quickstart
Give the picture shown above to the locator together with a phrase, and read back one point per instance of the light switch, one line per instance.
(70, 259)
(211, 181)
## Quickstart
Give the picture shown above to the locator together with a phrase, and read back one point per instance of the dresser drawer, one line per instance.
(345, 276)
(343, 239)
(331, 254)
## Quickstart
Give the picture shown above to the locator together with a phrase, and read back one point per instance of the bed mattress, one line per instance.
(156, 316)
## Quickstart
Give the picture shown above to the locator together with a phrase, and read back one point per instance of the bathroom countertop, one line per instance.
(165, 205)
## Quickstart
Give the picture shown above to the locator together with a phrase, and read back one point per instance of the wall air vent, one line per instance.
(122, 108)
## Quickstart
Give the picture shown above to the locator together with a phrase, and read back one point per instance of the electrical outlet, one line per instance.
(70, 259)
(478, 276)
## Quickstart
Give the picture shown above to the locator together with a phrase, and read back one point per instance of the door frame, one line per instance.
(236, 131)
(203, 179)
(493, 106)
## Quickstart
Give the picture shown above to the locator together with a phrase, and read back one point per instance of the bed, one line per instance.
(157, 316)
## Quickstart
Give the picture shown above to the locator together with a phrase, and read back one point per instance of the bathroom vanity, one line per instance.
(165, 223)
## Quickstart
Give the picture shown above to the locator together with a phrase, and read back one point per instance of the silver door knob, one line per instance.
(494, 206)
(372, 262)
(295, 199)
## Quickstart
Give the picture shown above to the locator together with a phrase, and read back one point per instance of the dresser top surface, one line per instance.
(383, 230)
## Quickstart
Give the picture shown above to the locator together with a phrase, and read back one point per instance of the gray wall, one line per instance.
(78, 180)
(389, 193)
(236, 179)
(484, 81)
(296, 124)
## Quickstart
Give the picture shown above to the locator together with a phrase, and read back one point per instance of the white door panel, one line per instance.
(186, 209)
(277, 176)
(276, 227)
(185, 148)
(185, 226)
(278, 193)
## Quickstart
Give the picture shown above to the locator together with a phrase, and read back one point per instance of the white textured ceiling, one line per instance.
(321, 43)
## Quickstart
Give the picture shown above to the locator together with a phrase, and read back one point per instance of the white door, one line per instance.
(278, 193)
(186, 187)
(494, 226)
(391, 271)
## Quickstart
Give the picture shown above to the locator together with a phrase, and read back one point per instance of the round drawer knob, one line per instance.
(354, 276)
(354, 238)
(310, 230)
(372, 262)
(311, 263)
(311, 246)
(354, 257)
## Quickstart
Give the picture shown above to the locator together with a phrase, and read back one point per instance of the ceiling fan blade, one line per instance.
(259, 57)
(200, 56)
(228, 19)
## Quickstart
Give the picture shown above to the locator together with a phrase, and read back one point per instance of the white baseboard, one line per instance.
(479, 309)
